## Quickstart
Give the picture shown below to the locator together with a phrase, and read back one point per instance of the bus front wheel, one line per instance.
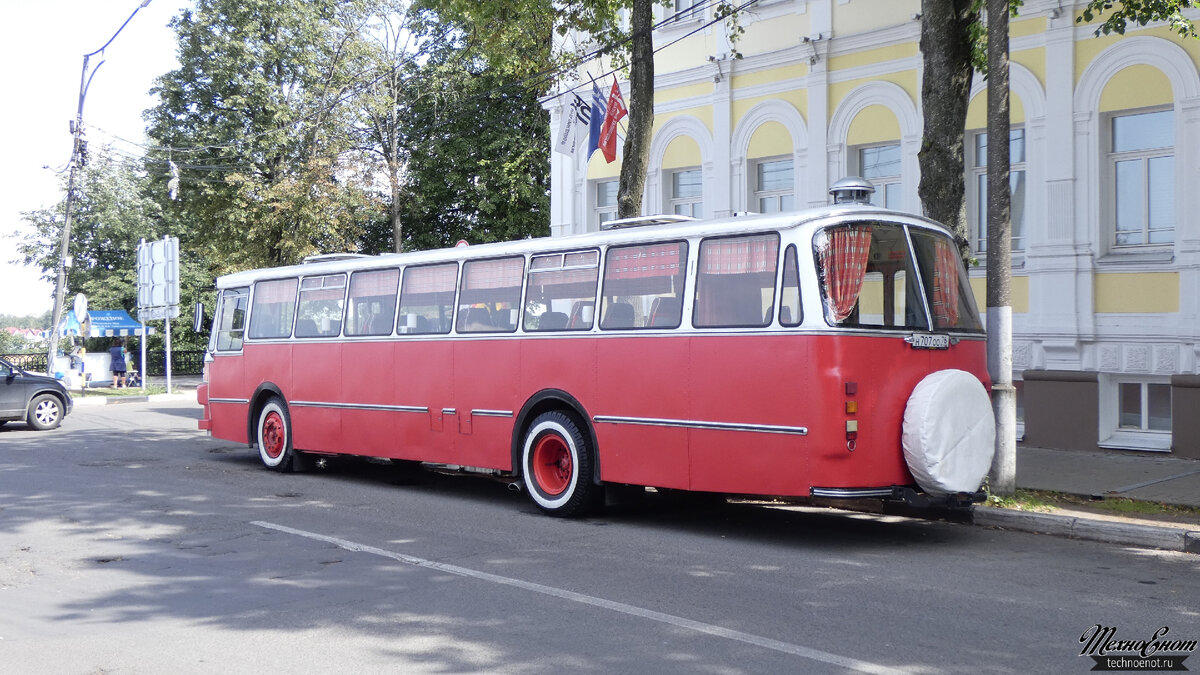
(275, 436)
(557, 466)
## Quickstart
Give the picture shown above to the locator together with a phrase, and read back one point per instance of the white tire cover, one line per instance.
(949, 433)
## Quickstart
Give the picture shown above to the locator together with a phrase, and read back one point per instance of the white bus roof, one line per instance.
(814, 217)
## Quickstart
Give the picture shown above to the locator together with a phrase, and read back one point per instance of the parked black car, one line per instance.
(41, 401)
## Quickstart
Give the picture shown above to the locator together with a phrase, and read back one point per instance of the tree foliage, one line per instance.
(113, 212)
(1140, 12)
(478, 165)
(258, 108)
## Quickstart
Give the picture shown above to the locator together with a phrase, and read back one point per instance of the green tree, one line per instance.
(477, 156)
(113, 212)
(518, 36)
(259, 111)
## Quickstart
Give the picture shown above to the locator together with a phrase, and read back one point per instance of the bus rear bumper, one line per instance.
(902, 494)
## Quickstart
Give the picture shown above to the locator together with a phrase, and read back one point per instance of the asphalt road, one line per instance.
(131, 543)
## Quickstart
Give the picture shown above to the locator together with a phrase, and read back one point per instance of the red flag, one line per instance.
(608, 133)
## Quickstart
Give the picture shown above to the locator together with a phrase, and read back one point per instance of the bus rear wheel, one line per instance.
(275, 436)
(557, 466)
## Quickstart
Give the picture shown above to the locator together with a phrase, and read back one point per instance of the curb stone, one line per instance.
(1145, 536)
(116, 400)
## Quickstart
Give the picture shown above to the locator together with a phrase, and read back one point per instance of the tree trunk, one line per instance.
(945, 95)
(641, 112)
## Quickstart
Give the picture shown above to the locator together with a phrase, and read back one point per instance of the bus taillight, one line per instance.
(851, 410)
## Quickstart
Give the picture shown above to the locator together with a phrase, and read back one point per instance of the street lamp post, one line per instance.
(60, 286)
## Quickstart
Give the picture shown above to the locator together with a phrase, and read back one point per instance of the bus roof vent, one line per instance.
(644, 221)
(330, 257)
(852, 190)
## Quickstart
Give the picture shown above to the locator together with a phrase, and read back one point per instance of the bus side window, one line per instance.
(273, 308)
(789, 305)
(372, 306)
(638, 277)
(320, 311)
(558, 288)
(735, 281)
(427, 299)
(491, 295)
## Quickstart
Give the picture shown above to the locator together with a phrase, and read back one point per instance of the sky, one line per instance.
(42, 43)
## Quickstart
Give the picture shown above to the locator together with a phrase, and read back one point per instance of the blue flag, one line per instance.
(599, 103)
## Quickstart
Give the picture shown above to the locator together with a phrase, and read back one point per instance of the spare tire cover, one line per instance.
(949, 432)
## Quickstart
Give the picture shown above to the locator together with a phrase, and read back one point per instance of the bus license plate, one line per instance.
(928, 341)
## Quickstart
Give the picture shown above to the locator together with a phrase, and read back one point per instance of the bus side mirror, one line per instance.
(198, 318)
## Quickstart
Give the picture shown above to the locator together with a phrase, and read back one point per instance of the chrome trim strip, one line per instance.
(697, 424)
(449, 411)
(213, 399)
(492, 413)
(359, 406)
(851, 493)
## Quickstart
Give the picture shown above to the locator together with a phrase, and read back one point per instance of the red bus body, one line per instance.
(761, 411)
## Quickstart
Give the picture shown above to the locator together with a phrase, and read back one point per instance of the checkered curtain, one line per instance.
(744, 255)
(844, 263)
(431, 279)
(502, 273)
(945, 284)
(636, 262)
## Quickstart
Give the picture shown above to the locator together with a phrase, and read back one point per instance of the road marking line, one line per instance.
(632, 610)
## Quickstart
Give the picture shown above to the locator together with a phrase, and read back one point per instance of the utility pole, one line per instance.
(77, 156)
(999, 253)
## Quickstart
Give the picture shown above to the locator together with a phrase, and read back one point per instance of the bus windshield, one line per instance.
(870, 278)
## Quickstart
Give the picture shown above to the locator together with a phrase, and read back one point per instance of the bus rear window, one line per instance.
(273, 308)
(735, 282)
(867, 278)
(946, 283)
(643, 286)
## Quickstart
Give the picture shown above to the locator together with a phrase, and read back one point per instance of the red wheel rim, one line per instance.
(552, 464)
(273, 435)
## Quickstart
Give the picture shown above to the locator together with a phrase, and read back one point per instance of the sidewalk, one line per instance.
(182, 386)
(1104, 475)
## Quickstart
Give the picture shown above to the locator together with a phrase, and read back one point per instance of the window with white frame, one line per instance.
(686, 10)
(687, 187)
(1144, 406)
(773, 186)
(881, 165)
(1141, 166)
(1136, 412)
(977, 187)
(606, 201)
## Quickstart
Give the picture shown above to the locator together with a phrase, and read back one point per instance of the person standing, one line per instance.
(117, 353)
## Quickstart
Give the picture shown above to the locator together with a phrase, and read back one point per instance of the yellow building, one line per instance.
(1105, 150)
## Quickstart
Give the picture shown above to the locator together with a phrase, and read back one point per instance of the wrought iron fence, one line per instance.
(187, 362)
(183, 362)
(34, 363)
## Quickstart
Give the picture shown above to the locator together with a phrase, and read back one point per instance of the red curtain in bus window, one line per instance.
(636, 262)
(743, 255)
(844, 261)
(945, 284)
(503, 273)
(434, 279)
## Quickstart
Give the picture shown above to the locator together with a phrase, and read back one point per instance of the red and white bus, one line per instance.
(831, 353)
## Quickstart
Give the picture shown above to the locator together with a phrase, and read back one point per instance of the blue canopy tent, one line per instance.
(104, 323)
